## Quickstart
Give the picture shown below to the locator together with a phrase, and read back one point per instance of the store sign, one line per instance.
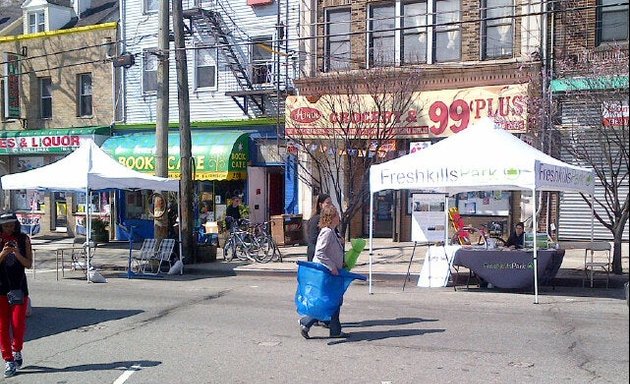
(615, 114)
(11, 85)
(47, 143)
(429, 114)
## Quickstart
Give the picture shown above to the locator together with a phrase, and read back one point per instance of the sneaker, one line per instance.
(341, 335)
(304, 330)
(10, 369)
(17, 357)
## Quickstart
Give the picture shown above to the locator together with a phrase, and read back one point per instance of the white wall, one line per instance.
(257, 194)
(205, 105)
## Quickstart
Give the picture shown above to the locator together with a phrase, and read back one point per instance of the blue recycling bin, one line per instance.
(319, 293)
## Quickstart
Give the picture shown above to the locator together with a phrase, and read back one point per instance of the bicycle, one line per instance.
(251, 242)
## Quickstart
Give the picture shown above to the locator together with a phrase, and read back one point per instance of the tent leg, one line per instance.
(371, 242)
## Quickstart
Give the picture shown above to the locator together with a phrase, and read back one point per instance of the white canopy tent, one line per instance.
(480, 158)
(86, 169)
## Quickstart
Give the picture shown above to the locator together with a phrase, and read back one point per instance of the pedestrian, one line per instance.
(16, 255)
(233, 211)
(312, 226)
(329, 252)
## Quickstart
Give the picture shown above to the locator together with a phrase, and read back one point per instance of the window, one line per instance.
(497, 28)
(337, 40)
(149, 72)
(45, 97)
(410, 32)
(447, 34)
(261, 60)
(382, 29)
(36, 22)
(414, 41)
(612, 21)
(206, 68)
(85, 94)
(151, 6)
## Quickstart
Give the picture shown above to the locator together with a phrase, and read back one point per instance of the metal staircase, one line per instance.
(211, 22)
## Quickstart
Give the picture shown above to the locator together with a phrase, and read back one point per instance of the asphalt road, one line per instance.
(243, 329)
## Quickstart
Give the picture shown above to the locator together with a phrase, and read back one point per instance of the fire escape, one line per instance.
(212, 23)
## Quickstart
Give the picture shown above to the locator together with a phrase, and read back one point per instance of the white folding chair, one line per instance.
(597, 256)
(141, 257)
(161, 256)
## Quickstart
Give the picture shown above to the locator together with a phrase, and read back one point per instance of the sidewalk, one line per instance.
(390, 261)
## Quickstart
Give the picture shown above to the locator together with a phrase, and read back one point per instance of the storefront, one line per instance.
(220, 159)
(42, 212)
(424, 118)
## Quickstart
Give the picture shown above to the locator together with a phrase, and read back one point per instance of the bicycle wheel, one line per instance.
(264, 250)
(241, 250)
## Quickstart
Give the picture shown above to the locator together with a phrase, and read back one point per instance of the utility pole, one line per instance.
(183, 102)
(160, 224)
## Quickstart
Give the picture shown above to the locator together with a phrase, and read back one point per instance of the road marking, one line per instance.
(127, 374)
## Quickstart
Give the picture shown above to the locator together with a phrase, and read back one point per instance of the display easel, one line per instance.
(415, 244)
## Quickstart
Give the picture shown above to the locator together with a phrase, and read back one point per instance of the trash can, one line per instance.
(287, 229)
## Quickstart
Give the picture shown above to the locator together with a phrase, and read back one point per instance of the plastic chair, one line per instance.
(142, 256)
(597, 257)
(161, 256)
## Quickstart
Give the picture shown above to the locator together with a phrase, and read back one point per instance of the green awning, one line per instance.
(60, 140)
(589, 83)
(218, 155)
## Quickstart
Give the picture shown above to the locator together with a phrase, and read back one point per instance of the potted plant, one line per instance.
(100, 234)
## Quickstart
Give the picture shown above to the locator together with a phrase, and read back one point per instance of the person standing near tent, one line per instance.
(312, 226)
(329, 252)
(15, 256)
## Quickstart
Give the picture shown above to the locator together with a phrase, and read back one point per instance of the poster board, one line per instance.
(427, 217)
(436, 268)
(490, 203)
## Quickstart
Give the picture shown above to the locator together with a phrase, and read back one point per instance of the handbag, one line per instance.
(15, 296)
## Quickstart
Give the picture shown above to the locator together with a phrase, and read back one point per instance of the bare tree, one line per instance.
(596, 133)
(357, 123)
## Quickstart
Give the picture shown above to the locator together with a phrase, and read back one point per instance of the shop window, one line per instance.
(497, 28)
(337, 39)
(98, 204)
(138, 204)
(612, 21)
(45, 97)
(84, 96)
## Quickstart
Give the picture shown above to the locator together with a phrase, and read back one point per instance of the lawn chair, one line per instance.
(161, 256)
(141, 258)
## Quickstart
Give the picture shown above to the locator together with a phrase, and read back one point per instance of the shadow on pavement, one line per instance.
(380, 335)
(114, 366)
(396, 321)
(47, 321)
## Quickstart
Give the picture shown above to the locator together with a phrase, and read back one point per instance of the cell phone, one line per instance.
(11, 244)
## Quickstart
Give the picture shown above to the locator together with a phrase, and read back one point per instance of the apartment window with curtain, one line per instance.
(36, 21)
(206, 68)
(612, 21)
(262, 60)
(382, 35)
(497, 28)
(149, 72)
(84, 94)
(45, 97)
(414, 32)
(337, 46)
(447, 31)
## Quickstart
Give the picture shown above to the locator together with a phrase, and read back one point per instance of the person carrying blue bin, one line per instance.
(322, 283)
